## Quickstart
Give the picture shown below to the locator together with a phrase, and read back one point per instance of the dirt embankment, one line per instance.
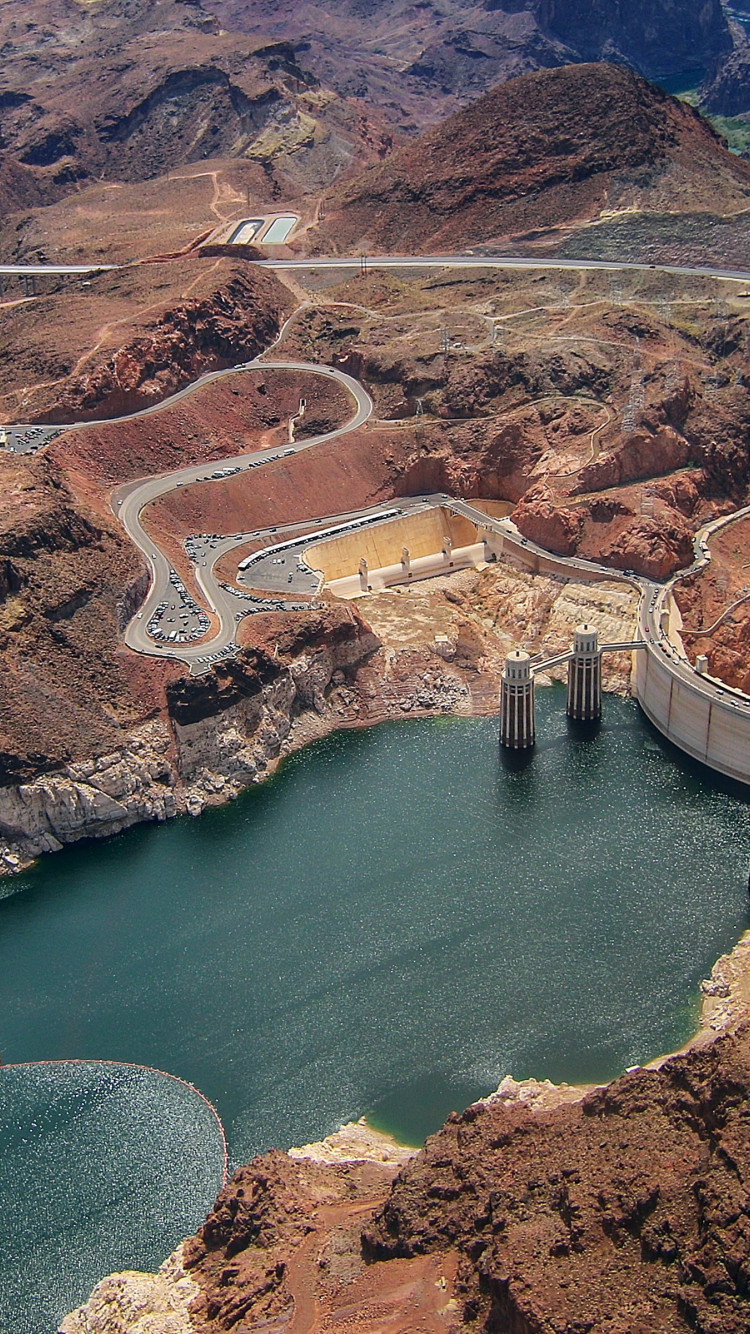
(234, 415)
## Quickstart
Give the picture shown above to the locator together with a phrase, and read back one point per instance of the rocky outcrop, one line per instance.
(620, 1209)
(230, 325)
(643, 454)
(623, 1212)
(651, 547)
(555, 528)
(133, 1303)
(223, 731)
(89, 800)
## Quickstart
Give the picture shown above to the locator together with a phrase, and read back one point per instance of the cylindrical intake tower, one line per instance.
(585, 676)
(517, 702)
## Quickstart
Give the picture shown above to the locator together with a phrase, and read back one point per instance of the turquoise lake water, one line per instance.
(389, 926)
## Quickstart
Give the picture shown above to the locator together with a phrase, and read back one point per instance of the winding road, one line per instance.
(130, 500)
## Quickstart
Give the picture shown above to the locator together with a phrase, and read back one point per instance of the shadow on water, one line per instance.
(583, 731)
(406, 1104)
(699, 775)
(516, 761)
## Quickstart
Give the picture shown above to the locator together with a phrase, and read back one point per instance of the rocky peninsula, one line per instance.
(620, 1208)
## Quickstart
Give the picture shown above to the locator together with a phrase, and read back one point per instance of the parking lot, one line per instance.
(177, 619)
(26, 439)
(284, 572)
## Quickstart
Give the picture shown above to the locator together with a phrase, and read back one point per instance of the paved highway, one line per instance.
(129, 501)
(476, 261)
(48, 270)
(470, 260)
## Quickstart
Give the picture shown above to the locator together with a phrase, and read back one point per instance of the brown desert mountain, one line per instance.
(418, 62)
(164, 86)
(558, 146)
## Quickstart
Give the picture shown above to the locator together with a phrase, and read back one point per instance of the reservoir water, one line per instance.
(389, 926)
(99, 1163)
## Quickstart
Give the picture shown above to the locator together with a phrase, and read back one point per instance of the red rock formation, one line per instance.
(643, 454)
(231, 324)
(623, 1213)
(654, 547)
(539, 519)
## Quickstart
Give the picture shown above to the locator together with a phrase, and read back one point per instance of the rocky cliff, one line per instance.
(726, 88)
(219, 733)
(656, 39)
(230, 324)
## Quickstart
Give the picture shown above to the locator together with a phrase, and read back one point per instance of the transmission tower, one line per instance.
(672, 378)
(616, 288)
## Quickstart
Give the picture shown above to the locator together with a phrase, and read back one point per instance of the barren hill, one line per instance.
(556, 146)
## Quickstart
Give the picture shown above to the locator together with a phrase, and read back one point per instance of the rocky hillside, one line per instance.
(419, 62)
(624, 1212)
(548, 148)
(165, 85)
(131, 337)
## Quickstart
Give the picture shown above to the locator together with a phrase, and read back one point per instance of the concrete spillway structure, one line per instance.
(585, 676)
(517, 725)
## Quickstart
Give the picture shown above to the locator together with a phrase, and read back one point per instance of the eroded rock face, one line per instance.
(726, 89)
(655, 38)
(539, 519)
(223, 731)
(134, 1303)
(90, 799)
(641, 455)
(652, 548)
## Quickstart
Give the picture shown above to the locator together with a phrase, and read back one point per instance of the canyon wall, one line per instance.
(221, 732)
